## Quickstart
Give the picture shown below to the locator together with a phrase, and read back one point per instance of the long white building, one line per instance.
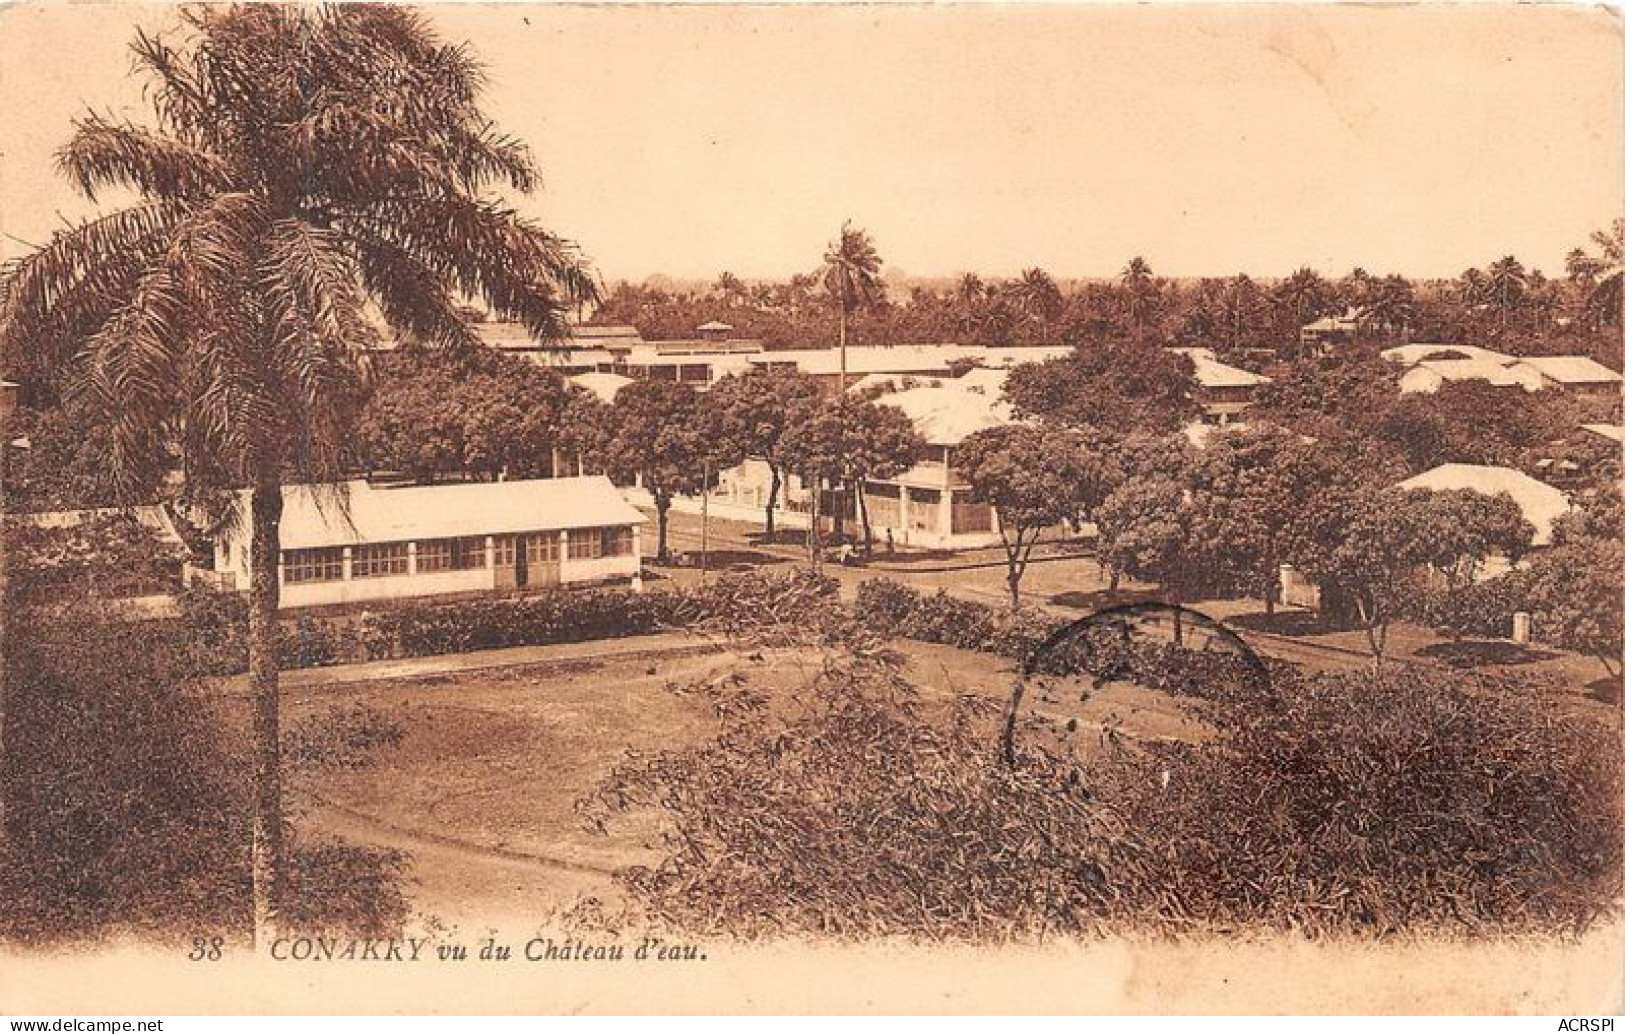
(358, 542)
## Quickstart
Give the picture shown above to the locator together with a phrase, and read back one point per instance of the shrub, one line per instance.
(120, 810)
(1415, 804)
(885, 605)
(1411, 802)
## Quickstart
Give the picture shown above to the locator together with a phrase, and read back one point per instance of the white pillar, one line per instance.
(349, 563)
(1520, 627)
(902, 512)
(411, 558)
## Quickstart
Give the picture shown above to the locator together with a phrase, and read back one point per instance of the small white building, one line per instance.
(358, 542)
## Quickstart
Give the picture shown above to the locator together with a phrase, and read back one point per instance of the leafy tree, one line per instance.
(1345, 392)
(1143, 529)
(662, 433)
(1375, 545)
(847, 442)
(1035, 477)
(434, 413)
(64, 466)
(755, 410)
(1473, 421)
(1250, 489)
(1122, 387)
(852, 278)
(1464, 528)
(305, 161)
(1573, 591)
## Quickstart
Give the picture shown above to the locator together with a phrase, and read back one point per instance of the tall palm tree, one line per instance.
(1601, 276)
(1038, 295)
(304, 162)
(1140, 291)
(852, 278)
(1507, 284)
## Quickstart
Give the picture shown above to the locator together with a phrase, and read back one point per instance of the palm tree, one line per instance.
(1601, 276)
(1307, 294)
(1507, 283)
(305, 162)
(1038, 295)
(852, 278)
(1140, 290)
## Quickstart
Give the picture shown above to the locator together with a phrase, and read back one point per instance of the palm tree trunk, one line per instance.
(264, 598)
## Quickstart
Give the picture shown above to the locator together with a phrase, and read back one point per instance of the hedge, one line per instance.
(217, 622)
(898, 610)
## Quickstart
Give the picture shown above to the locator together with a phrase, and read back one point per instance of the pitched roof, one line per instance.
(1570, 369)
(605, 385)
(873, 359)
(1614, 432)
(947, 414)
(1210, 373)
(1410, 355)
(357, 512)
(1541, 503)
(1428, 375)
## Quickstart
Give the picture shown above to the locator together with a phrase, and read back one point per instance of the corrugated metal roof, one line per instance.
(947, 414)
(356, 512)
(1570, 369)
(1541, 503)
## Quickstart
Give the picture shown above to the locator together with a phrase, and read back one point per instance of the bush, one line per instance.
(120, 812)
(1364, 806)
(127, 799)
(885, 605)
(1412, 802)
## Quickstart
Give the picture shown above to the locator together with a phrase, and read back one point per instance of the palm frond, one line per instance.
(71, 284)
(523, 271)
(104, 154)
(413, 299)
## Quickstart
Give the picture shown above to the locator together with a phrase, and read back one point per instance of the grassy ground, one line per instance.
(482, 788)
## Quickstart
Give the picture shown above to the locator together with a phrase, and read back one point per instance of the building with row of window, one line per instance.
(357, 542)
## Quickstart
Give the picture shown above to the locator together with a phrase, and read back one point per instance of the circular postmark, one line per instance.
(1152, 641)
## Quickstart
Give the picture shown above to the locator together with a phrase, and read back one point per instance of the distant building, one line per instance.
(1223, 391)
(1575, 374)
(357, 542)
(824, 364)
(1429, 366)
(1330, 332)
(1540, 503)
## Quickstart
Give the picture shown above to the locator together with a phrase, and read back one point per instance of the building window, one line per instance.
(542, 547)
(313, 565)
(434, 555)
(592, 543)
(924, 509)
(379, 561)
(885, 506)
(467, 554)
(502, 554)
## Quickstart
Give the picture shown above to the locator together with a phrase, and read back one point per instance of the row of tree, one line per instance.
(1506, 303)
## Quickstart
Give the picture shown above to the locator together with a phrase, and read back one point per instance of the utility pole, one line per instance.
(705, 523)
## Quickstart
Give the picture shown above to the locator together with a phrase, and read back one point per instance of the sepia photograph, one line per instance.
(1077, 508)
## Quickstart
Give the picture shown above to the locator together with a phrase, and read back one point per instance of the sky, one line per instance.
(1211, 140)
